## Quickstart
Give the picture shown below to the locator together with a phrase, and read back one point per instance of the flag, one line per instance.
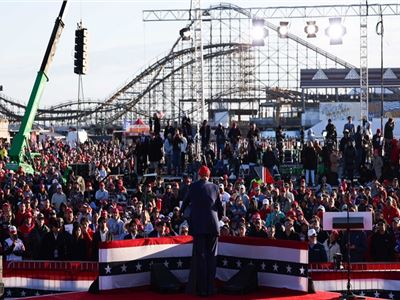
(281, 264)
(266, 176)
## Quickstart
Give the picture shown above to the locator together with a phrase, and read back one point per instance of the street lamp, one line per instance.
(379, 31)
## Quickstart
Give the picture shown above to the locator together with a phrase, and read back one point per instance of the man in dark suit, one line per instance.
(133, 232)
(205, 208)
(160, 230)
(56, 243)
(101, 235)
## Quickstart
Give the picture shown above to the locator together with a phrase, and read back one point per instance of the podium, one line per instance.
(348, 221)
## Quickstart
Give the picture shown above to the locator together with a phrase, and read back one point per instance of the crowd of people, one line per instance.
(60, 213)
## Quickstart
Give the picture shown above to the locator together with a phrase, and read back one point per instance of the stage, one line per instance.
(145, 294)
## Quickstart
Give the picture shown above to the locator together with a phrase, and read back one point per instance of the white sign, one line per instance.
(328, 218)
(339, 111)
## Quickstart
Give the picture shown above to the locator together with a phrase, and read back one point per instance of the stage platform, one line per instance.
(145, 294)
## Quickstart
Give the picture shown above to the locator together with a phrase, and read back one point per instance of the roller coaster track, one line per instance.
(126, 98)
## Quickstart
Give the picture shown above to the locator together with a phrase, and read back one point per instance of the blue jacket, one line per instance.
(205, 208)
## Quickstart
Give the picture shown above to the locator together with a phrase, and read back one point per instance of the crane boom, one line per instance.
(17, 154)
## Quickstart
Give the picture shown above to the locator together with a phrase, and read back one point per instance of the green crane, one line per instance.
(19, 155)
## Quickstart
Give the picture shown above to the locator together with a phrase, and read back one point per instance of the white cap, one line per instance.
(12, 228)
(321, 207)
(265, 201)
(311, 232)
(221, 186)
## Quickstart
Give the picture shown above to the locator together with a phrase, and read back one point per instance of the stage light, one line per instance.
(258, 32)
(283, 29)
(311, 29)
(185, 34)
(335, 31)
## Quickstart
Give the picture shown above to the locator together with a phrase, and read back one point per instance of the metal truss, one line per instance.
(244, 80)
(282, 12)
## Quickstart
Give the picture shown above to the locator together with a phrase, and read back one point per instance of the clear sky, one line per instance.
(121, 44)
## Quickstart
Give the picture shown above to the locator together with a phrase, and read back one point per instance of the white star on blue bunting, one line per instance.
(138, 267)
(123, 268)
(166, 264)
(288, 269)
(225, 262)
(238, 263)
(302, 270)
(179, 263)
(263, 265)
(275, 266)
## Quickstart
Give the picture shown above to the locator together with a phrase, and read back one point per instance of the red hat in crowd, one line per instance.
(204, 171)
(27, 215)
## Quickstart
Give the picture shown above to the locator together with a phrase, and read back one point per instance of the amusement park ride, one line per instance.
(217, 68)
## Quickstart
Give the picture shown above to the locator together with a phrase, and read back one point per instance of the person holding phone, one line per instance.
(14, 248)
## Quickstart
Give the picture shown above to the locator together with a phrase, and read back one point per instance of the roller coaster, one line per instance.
(238, 77)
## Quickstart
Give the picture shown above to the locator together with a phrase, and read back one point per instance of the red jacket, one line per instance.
(389, 213)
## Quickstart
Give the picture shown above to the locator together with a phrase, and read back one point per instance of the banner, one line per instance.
(34, 278)
(281, 264)
(379, 280)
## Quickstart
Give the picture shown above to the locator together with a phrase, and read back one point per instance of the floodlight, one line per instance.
(258, 32)
(335, 31)
(311, 29)
(185, 34)
(283, 29)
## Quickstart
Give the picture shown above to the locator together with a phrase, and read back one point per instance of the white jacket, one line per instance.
(183, 144)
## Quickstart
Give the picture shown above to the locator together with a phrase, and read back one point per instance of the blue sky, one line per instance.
(120, 43)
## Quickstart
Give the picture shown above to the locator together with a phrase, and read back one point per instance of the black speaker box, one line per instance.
(242, 282)
(94, 287)
(162, 280)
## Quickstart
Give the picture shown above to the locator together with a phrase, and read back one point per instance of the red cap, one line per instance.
(335, 233)
(204, 171)
(104, 213)
(27, 215)
(69, 210)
